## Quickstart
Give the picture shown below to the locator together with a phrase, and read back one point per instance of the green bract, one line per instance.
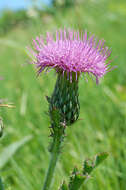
(65, 98)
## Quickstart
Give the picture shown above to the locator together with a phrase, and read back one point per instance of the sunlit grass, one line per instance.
(102, 124)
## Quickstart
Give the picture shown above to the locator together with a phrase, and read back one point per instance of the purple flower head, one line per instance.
(71, 52)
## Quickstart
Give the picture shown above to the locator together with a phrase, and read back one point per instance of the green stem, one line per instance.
(54, 157)
(1, 185)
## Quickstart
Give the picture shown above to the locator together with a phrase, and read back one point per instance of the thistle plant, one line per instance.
(1, 120)
(1, 134)
(71, 54)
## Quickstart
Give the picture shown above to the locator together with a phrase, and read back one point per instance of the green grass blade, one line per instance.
(10, 150)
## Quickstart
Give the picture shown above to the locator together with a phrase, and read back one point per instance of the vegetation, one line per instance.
(102, 124)
(10, 19)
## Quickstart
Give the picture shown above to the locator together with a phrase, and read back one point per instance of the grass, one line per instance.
(103, 108)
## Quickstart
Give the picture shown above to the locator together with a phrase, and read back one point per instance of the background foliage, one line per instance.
(102, 124)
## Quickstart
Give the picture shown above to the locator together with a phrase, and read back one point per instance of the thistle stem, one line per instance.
(1, 184)
(56, 145)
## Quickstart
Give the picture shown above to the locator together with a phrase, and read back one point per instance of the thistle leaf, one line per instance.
(76, 179)
(88, 167)
(100, 158)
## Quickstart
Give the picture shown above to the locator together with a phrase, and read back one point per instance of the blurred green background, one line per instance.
(102, 124)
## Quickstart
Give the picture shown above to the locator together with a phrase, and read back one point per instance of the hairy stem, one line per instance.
(53, 160)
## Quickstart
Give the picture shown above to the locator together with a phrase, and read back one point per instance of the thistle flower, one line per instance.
(70, 54)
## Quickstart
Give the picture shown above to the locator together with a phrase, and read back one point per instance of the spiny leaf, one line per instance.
(88, 167)
(10, 150)
(76, 179)
(100, 158)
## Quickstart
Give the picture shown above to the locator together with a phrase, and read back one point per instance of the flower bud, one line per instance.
(65, 98)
